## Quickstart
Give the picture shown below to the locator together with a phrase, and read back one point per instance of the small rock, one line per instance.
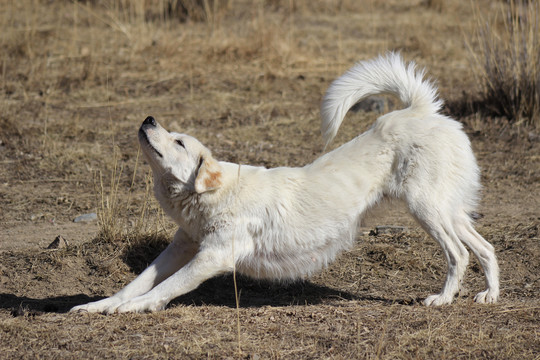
(86, 218)
(58, 243)
(387, 229)
(476, 216)
(35, 217)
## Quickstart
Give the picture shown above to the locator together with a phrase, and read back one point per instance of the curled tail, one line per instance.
(383, 75)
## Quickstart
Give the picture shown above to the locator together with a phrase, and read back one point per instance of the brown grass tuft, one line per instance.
(508, 61)
(123, 217)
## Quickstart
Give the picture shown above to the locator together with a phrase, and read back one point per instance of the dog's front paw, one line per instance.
(107, 305)
(437, 300)
(488, 296)
(141, 304)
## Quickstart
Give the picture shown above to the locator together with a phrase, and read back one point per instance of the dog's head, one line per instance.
(178, 160)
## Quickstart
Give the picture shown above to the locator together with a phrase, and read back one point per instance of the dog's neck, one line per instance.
(190, 210)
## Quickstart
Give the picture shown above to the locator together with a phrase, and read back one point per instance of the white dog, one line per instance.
(287, 223)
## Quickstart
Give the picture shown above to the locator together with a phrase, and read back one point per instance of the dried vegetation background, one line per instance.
(246, 78)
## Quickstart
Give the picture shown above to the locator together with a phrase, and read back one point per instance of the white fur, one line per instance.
(287, 223)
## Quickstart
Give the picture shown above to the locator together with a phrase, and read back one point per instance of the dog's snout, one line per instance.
(149, 121)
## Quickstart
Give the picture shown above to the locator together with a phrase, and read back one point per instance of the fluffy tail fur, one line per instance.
(383, 75)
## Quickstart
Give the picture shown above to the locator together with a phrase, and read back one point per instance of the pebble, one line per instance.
(35, 217)
(86, 218)
(387, 229)
(58, 243)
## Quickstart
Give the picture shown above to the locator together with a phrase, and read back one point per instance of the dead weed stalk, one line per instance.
(126, 220)
(236, 294)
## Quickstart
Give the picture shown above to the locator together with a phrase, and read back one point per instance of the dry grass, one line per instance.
(122, 217)
(79, 77)
(508, 61)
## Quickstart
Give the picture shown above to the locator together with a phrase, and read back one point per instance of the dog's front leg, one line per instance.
(177, 254)
(205, 265)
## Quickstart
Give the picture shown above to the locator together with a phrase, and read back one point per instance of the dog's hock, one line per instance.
(209, 175)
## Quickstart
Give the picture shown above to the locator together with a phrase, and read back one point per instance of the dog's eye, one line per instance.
(180, 142)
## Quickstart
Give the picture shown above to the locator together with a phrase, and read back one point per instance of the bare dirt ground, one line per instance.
(78, 78)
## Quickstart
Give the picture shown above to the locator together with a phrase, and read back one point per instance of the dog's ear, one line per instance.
(209, 174)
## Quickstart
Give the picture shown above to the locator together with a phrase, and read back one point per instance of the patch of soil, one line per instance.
(79, 79)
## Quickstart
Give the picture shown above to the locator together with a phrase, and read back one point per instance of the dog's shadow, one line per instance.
(219, 291)
(27, 306)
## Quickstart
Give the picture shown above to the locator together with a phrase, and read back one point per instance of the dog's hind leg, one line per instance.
(486, 256)
(456, 255)
(457, 260)
(450, 230)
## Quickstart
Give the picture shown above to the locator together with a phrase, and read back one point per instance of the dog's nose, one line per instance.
(149, 121)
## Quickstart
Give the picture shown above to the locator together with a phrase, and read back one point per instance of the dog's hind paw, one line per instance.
(437, 300)
(488, 296)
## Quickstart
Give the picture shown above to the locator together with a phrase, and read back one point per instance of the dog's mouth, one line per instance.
(144, 139)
